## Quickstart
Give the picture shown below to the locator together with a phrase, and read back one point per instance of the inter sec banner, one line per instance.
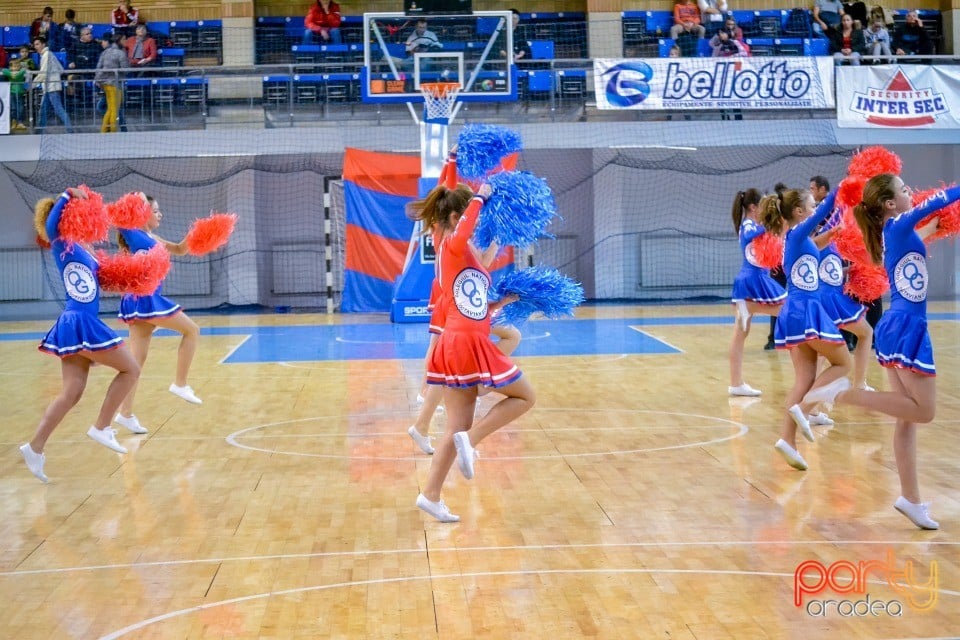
(4, 108)
(898, 97)
(715, 83)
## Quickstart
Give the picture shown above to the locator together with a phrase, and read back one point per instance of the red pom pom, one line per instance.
(848, 239)
(130, 211)
(210, 233)
(873, 161)
(84, 219)
(866, 282)
(768, 250)
(850, 191)
(949, 215)
(137, 273)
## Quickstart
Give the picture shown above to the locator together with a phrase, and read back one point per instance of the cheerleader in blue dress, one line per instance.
(144, 314)
(888, 220)
(847, 313)
(79, 338)
(803, 326)
(754, 291)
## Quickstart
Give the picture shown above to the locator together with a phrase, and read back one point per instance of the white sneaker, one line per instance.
(827, 393)
(743, 316)
(797, 414)
(107, 437)
(186, 393)
(865, 387)
(436, 509)
(793, 458)
(820, 419)
(744, 390)
(131, 424)
(34, 462)
(917, 513)
(422, 441)
(465, 453)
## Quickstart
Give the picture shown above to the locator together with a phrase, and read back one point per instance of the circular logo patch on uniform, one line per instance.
(831, 270)
(910, 277)
(803, 275)
(470, 293)
(79, 281)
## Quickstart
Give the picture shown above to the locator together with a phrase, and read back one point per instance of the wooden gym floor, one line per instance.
(636, 500)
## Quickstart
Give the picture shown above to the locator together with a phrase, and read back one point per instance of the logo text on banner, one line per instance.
(714, 83)
(897, 97)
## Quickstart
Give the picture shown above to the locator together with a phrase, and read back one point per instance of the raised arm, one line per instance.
(824, 209)
(934, 203)
(459, 241)
(173, 248)
(53, 218)
(448, 175)
(752, 230)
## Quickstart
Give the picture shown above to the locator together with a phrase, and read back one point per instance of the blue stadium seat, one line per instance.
(541, 49)
(789, 46)
(99, 29)
(761, 46)
(815, 47)
(663, 47)
(659, 22)
(171, 57)
(539, 84)
(293, 27)
(704, 50)
(16, 36)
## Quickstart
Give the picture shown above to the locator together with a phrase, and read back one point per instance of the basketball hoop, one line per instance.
(438, 100)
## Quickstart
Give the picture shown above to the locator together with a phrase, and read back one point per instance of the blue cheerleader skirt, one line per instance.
(758, 287)
(77, 331)
(903, 342)
(842, 308)
(134, 308)
(801, 320)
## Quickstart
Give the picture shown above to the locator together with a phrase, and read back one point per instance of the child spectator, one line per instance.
(686, 19)
(16, 75)
(125, 19)
(46, 27)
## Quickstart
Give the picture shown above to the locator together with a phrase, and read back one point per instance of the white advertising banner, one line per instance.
(4, 108)
(715, 83)
(898, 97)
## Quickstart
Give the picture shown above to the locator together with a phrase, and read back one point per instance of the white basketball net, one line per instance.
(439, 98)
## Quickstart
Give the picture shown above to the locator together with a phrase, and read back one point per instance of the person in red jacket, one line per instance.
(141, 50)
(322, 23)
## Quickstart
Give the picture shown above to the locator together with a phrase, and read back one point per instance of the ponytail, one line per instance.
(741, 201)
(434, 210)
(770, 214)
(869, 213)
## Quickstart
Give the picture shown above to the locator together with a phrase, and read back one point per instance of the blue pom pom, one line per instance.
(540, 289)
(519, 209)
(481, 148)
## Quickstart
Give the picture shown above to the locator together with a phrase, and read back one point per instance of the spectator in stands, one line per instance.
(46, 27)
(729, 41)
(910, 39)
(322, 23)
(142, 49)
(26, 59)
(826, 13)
(125, 19)
(3, 58)
(877, 39)
(87, 51)
(16, 75)
(675, 52)
(521, 48)
(110, 79)
(422, 39)
(846, 43)
(50, 79)
(686, 19)
(712, 13)
(69, 32)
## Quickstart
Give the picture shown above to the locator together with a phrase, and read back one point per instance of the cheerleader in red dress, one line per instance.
(144, 314)
(465, 356)
(79, 338)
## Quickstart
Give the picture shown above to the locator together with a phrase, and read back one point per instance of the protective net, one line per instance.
(637, 223)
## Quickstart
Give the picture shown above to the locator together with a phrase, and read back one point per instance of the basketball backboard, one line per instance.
(474, 50)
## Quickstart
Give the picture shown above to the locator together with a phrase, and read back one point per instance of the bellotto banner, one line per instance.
(715, 83)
